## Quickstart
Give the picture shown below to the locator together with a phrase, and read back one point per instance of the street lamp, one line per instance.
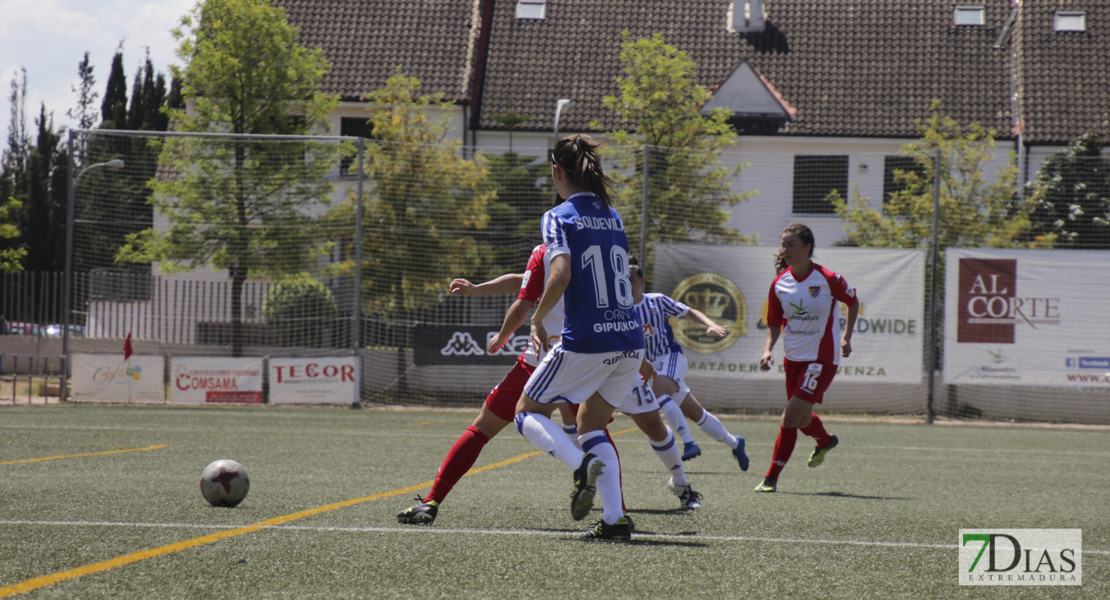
(67, 294)
(558, 109)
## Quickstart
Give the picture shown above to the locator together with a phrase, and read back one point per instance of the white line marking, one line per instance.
(534, 532)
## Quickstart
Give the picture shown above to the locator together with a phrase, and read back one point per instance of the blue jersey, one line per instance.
(656, 311)
(598, 301)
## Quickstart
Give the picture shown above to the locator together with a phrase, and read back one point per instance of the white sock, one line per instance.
(713, 426)
(571, 431)
(548, 437)
(609, 482)
(668, 453)
(673, 413)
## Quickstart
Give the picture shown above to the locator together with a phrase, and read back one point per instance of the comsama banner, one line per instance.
(215, 380)
(1026, 317)
(112, 378)
(730, 284)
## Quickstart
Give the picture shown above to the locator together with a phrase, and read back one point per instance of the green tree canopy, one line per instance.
(977, 207)
(425, 202)
(688, 190)
(1072, 196)
(240, 204)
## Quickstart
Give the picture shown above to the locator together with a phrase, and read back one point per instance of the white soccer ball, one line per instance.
(224, 483)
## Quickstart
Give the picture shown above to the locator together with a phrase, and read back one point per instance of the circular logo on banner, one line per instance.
(721, 301)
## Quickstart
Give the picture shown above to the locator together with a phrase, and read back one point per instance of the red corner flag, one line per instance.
(127, 347)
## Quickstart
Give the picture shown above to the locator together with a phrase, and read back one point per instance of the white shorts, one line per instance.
(565, 376)
(674, 366)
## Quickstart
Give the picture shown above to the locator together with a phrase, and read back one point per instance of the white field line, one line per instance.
(518, 532)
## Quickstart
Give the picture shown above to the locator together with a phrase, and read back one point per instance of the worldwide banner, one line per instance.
(730, 284)
(1026, 317)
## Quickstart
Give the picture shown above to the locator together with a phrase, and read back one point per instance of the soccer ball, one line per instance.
(224, 483)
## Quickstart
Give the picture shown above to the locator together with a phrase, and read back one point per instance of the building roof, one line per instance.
(364, 40)
(1064, 77)
(850, 68)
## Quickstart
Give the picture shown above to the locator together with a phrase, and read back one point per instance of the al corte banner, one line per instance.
(730, 284)
(112, 378)
(1027, 317)
(215, 380)
(317, 380)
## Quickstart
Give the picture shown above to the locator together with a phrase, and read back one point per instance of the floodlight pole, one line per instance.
(67, 295)
(559, 109)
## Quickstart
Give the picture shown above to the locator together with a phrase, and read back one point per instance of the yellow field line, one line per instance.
(36, 583)
(31, 460)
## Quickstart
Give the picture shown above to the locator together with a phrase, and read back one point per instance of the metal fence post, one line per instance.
(644, 210)
(930, 414)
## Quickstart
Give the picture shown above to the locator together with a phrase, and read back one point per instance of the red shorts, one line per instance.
(502, 400)
(808, 380)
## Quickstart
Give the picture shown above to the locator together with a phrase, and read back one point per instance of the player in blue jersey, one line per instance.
(597, 363)
(675, 399)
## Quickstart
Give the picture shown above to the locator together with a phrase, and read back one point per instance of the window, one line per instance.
(531, 9)
(891, 184)
(1065, 21)
(354, 127)
(969, 16)
(815, 177)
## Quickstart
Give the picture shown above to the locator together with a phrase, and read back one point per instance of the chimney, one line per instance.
(746, 16)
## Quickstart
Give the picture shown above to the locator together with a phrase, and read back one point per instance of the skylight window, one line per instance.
(970, 16)
(531, 9)
(1070, 21)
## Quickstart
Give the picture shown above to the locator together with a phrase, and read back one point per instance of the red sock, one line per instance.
(816, 430)
(459, 459)
(784, 447)
(624, 506)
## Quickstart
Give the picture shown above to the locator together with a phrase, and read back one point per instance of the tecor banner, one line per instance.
(1026, 317)
(316, 380)
(730, 284)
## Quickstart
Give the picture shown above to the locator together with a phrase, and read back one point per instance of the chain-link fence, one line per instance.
(219, 245)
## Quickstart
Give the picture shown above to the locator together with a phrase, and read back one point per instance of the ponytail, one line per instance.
(578, 157)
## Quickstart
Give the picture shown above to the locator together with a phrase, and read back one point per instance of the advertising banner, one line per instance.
(464, 345)
(211, 380)
(317, 380)
(111, 378)
(1026, 317)
(730, 284)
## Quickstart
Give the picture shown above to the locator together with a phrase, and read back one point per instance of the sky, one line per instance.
(49, 38)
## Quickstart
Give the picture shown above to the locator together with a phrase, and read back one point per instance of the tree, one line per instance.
(1072, 196)
(425, 202)
(10, 257)
(520, 190)
(83, 113)
(44, 200)
(510, 119)
(688, 190)
(301, 309)
(975, 208)
(240, 205)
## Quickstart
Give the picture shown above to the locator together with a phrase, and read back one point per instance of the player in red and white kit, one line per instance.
(802, 306)
(500, 404)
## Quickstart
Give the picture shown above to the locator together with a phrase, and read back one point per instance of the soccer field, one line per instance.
(103, 502)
